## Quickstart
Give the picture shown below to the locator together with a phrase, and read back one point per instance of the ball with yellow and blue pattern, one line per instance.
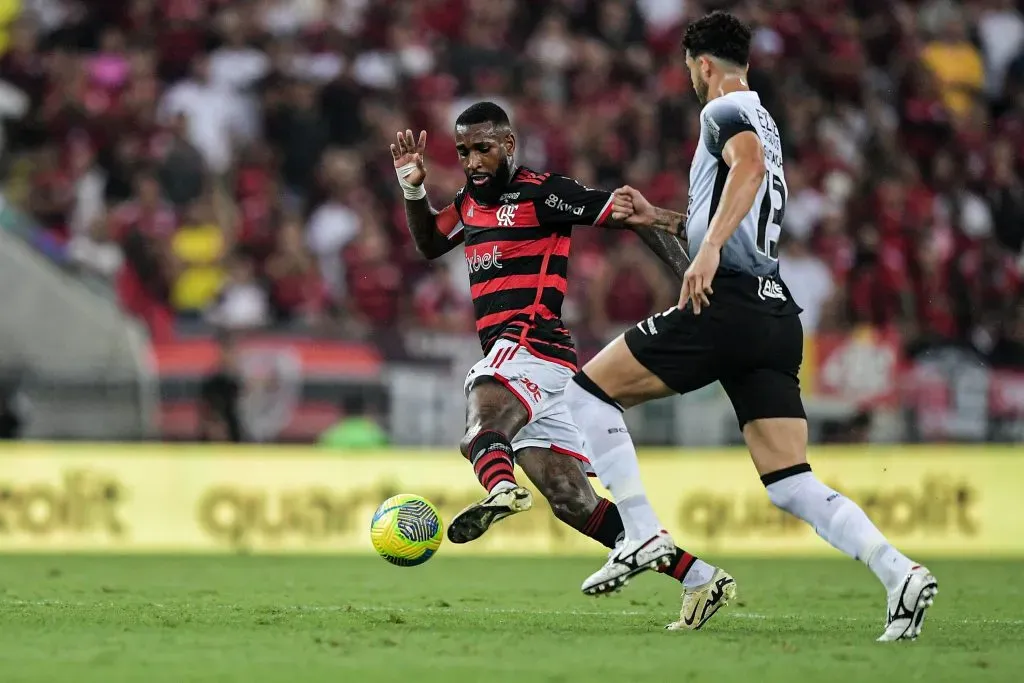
(406, 530)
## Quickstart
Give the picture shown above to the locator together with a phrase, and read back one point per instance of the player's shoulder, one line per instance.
(724, 117)
(725, 110)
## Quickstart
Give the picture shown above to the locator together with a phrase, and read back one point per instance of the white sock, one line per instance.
(842, 523)
(501, 486)
(700, 573)
(614, 459)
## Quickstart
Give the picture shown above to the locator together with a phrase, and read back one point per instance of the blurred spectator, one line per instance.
(805, 204)
(242, 301)
(956, 62)
(216, 117)
(94, 251)
(438, 305)
(808, 279)
(357, 427)
(199, 246)
(237, 64)
(219, 397)
(296, 290)
(1008, 350)
(373, 280)
(331, 227)
(302, 136)
(144, 227)
(1001, 32)
(626, 288)
(903, 141)
(182, 169)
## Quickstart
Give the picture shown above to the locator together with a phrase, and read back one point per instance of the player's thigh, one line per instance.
(511, 388)
(492, 406)
(669, 353)
(765, 393)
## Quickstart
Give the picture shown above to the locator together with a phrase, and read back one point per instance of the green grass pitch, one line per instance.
(358, 620)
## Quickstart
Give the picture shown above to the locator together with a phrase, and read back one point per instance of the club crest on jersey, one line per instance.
(506, 215)
(769, 289)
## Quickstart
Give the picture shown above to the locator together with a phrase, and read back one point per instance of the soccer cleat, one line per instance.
(907, 604)
(628, 559)
(471, 523)
(701, 603)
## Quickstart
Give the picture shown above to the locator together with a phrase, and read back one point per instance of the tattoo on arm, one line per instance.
(669, 249)
(671, 222)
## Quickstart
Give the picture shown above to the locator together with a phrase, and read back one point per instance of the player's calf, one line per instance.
(495, 416)
(793, 487)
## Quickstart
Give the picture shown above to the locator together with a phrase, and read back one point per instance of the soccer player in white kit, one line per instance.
(736, 323)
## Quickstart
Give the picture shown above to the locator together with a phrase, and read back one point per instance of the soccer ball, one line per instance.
(406, 530)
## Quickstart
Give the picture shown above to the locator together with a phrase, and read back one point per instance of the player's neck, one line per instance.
(729, 83)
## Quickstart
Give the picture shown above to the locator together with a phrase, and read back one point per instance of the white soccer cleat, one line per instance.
(907, 604)
(703, 602)
(471, 523)
(628, 559)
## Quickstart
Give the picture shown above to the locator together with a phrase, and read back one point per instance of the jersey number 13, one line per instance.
(769, 222)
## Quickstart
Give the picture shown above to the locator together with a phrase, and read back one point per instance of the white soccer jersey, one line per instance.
(753, 249)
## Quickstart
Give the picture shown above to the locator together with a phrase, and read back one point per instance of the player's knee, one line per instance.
(569, 502)
(467, 440)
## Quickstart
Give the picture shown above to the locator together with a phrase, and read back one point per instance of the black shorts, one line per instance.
(756, 356)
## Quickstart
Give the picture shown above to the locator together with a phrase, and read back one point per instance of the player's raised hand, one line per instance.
(631, 207)
(408, 154)
(697, 278)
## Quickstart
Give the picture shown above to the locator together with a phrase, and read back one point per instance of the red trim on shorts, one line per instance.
(548, 359)
(526, 404)
(571, 454)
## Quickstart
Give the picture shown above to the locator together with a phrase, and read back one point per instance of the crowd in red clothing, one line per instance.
(257, 131)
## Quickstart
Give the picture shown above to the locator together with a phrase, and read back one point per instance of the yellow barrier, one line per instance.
(147, 498)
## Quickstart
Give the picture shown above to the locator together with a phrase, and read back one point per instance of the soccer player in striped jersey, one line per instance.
(515, 225)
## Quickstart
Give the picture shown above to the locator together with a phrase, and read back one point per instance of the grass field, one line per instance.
(255, 619)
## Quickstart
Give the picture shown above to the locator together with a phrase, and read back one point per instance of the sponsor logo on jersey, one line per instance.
(769, 289)
(509, 197)
(556, 203)
(486, 261)
(506, 215)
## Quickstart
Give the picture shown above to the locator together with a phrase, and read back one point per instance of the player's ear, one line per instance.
(510, 144)
(706, 66)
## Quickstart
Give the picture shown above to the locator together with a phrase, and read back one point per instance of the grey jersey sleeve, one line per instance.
(721, 120)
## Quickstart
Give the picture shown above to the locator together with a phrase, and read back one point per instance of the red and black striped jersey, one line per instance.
(518, 256)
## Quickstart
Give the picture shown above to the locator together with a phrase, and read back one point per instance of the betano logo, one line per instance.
(486, 261)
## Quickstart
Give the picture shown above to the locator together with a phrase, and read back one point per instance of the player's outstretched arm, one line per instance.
(431, 230)
(662, 230)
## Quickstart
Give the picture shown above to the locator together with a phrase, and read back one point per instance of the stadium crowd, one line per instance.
(227, 160)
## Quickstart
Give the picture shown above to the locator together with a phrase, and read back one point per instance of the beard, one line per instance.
(490, 193)
(702, 89)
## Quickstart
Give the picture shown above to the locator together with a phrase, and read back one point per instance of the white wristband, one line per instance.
(411, 192)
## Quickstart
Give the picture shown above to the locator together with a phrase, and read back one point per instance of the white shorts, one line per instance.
(539, 385)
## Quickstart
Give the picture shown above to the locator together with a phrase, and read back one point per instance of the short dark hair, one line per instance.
(721, 35)
(483, 112)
